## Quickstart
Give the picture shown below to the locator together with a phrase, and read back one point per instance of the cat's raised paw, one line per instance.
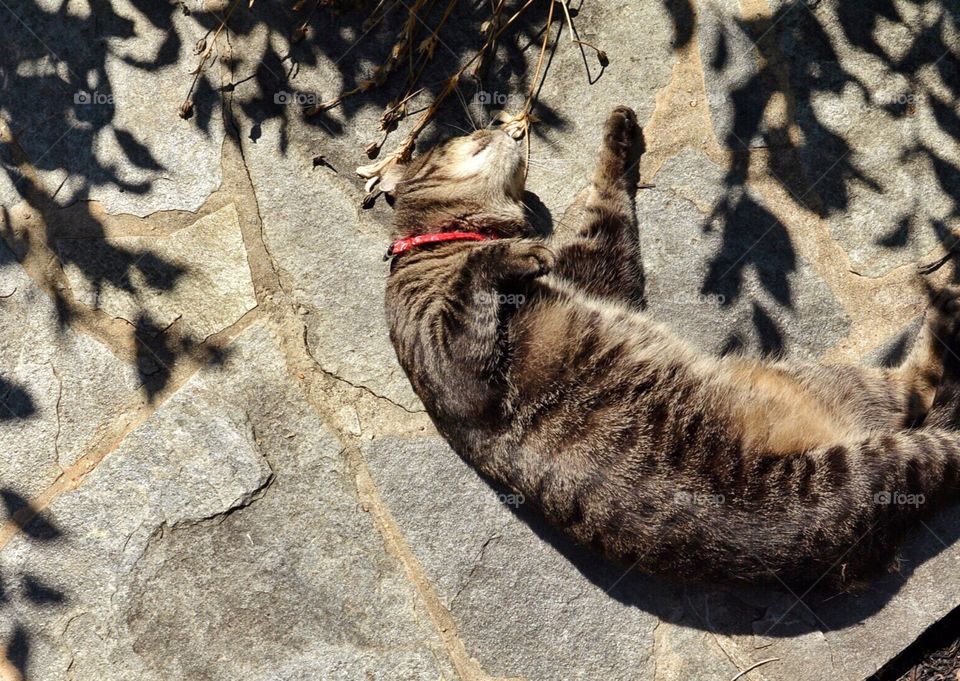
(622, 130)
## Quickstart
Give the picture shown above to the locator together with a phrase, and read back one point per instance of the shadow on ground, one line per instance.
(800, 64)
(745, 609)
(29, 590)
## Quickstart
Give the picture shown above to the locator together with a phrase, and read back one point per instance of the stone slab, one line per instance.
(223, 539)
(877, 109)
(528, 603)
(736, 89)
(522, 606)
(108, 129)
(61, 391)
(729, 278)
(197, 276)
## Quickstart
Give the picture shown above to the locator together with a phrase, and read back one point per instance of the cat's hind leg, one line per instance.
(929, 376)
(923, 391)
(940, 361)
(604, 257)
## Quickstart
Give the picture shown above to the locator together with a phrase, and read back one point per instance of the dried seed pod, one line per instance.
(428, 46)
(186, 109)
(602, 58)
(201, 46)
(373, 150)
(389, 119)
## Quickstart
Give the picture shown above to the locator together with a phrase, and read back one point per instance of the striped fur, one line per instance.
(538, 365)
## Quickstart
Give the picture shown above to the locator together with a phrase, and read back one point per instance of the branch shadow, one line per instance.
(81, 136)
(31, 590)
(77, 138)
(801, 60)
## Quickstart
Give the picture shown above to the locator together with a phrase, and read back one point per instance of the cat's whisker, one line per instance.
(455, 127)
(466, 109)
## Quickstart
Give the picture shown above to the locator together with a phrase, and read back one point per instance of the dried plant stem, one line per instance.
(382, 72)
(752, 667)
(404, 151)
(573, 36)
(404, 100)
(516, 125)
(566, 11)
(543, 52)
(426, 49)
(206, 55)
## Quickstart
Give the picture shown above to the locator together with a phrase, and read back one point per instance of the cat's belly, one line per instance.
(777, 414)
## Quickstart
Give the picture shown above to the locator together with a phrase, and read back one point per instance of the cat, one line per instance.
(536, 362)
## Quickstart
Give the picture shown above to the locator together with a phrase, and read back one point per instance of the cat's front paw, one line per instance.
(527, 260)
(618, 169)
(623, 137)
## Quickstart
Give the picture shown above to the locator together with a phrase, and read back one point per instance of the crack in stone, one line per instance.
(478, 561)
(301, 362)
(367, 390)
(56, 439)
(653, 651)
(357, 386)
(245, 500)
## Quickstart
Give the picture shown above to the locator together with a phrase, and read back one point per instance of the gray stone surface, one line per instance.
(564, 152)
(202, 282)
(333, 258)
(731, 76)
(878, 115)
(221, 540)
(523, 608)
(529, 603)
(60, 391)
(8, 176)
(231, 535)
(108, 128)
(723, 272)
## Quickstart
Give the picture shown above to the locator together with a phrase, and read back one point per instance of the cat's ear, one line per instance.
(390, 177)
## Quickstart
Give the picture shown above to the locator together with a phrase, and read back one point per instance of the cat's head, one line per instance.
(473, 182)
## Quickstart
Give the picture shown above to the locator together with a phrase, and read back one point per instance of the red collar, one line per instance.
(403, 245)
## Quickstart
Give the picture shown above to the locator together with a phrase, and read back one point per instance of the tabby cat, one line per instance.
(536, 362)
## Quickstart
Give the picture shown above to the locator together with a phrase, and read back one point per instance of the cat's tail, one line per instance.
(842, 511)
